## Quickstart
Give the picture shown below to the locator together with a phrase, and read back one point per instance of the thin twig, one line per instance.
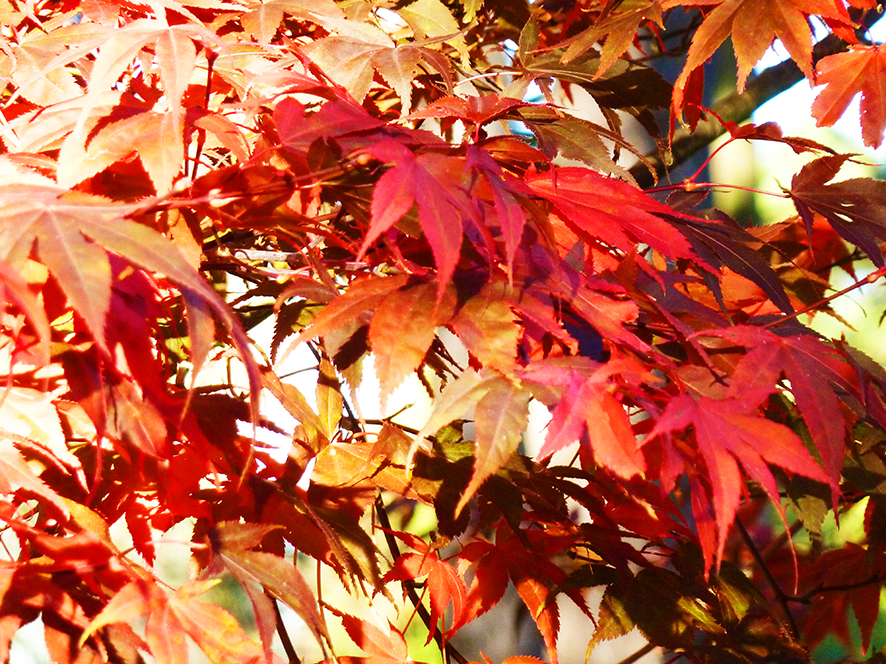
(645, 650)
(780, 594)
(838, 588)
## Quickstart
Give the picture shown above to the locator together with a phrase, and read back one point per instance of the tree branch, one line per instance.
(284, 635)
(645, 650)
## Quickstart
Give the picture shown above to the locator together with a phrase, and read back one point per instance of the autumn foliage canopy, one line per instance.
(411, 185)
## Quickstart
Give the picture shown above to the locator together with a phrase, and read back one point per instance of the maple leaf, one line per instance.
(444, 584)
(770, 131)
(854, 208)
(171, 619)
(232, 545)
(724, 241)
(501, 417)
(330, 401)
(534, 576)
(853, 567)
(432, 20)
(176, 58)
(624, 86)
(15, 473)
(337, 118)
(507, 194)
(817, 373)
(487, 327)
(611, 211)
(753, 26)
(563, 134)
(433, 183)
(589, 404)
(15, 290)
(489, 583)
(845, 75)
(729, 434)
(383, 646)
(401, 332)
(155, 137)
(458, 397)
(619, 29)
(36, 49)
(351, 62)
(264, 18)
(364, 293)
(73, 234)
(477, 111)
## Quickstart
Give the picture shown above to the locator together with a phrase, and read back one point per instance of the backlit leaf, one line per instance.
(487, 327)
(501, 417)
(853, 208)
(401, 331)
(861, 70)
(433, 183)
(214, 630)
(15, 473)
(753, 25)
(232, 552)
(728, 434)
(611, 211)
(430, 19)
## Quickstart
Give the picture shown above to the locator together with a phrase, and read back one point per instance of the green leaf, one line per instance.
(613, 619)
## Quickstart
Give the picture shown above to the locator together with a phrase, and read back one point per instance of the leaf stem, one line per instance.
(688, 185)
(871, 278)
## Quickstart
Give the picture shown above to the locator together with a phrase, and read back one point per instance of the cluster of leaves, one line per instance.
(373, 173)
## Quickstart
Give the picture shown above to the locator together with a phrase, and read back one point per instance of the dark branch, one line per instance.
(284, 635)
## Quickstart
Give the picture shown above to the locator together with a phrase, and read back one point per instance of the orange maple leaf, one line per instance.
(753, 26)
(863, 69)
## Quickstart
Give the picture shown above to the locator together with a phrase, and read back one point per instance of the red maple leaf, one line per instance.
(611, 211)
(433, 183)
(443, 582)
(817, 374)
(861, 70)
(476, 111)
(590, 404)
(728, 435)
